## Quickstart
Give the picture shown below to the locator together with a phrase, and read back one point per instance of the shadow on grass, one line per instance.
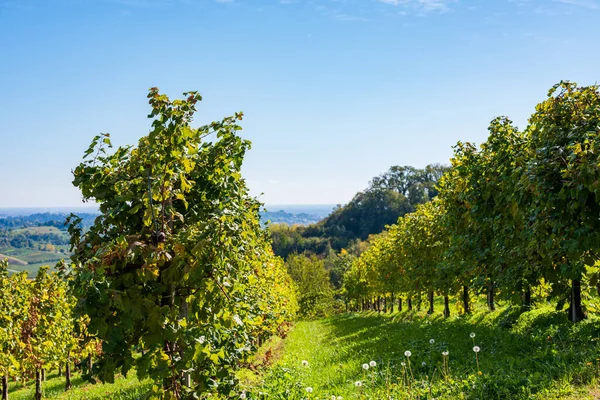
(523, 356)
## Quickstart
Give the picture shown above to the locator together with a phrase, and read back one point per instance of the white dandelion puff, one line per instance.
(365, 366)
(407, 353)
(472, 335)
(305, 363)
(403, 364)
(445, 353)
(432, 341)
(309, 389)
(423, 364)
(358, 383)
(476, 349)
(373, 364)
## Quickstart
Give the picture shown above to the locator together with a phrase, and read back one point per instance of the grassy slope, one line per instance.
(541, 356)
(128, 388)
(31, 260)
(13, 260)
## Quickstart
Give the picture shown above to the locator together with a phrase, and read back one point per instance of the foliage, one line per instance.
(47, 331)
(176, 263)
(14, 308)
(389, 196)
(36, 323)
(517, 213)
(315, 295)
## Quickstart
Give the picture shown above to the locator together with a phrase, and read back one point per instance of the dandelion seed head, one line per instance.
(305, 363)
(333, 397)
(309, 389)
(472, 335)
(445, 353)
(476, 349)
(432, 341)
(407, 353)
(340, 398)
(373, 364)
(243, 395)
(365, 366)
(358, 383)
(423, 364)
(403, 364)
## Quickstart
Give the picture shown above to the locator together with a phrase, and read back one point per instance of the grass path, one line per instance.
(535, 355)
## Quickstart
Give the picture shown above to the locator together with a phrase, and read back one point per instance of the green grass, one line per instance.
(535, 355)
(531, 355)
(124, 388)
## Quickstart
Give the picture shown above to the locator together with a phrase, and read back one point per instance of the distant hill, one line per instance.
(282, 217)
(27, 211)
(295, 214)
(319, 210)
(388, 196)
(32, 237)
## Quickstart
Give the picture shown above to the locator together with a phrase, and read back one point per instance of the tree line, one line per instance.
(518, 212)
(39, 331)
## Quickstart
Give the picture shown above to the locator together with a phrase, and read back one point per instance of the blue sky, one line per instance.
(334, 91)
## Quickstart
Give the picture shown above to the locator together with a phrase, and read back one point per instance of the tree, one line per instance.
(14, 307)
(47, 330)
(173, 262)
(315, 295)
(562, 178)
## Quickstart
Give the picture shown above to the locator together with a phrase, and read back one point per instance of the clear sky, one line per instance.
(334, 91)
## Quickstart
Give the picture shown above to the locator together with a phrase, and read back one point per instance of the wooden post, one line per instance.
(446, 306)
(466, 300)
(490, 297)
(430, 311)
(38, 385)
(576, 313)
(526, 305)
(68, 384)
(5, 387)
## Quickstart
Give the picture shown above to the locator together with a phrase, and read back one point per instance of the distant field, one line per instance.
(30, 260)
(13, 260)
(39, 230)
(32, 269)
(31, 256)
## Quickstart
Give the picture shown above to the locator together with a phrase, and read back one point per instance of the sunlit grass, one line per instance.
(537, 354)
(532, 355)
(124, 388)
